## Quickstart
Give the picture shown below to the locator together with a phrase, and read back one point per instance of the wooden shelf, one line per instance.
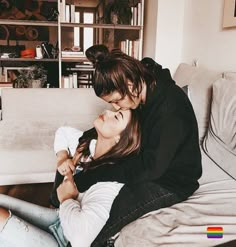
(74, 60)
(28, 23)
(30, 59)
(104, 26)
(111, 35)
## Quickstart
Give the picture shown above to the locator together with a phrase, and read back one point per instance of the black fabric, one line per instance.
(153, 197)
(170, 153)
(53, 199)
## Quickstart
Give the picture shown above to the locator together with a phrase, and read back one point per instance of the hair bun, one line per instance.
(97, 53)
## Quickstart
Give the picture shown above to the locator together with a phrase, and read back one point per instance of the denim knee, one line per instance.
(5, 215)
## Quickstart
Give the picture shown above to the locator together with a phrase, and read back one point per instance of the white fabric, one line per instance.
(67, 138)
(84, 218)
(220, 141)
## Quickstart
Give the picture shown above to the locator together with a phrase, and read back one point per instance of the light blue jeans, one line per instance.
(30, 225)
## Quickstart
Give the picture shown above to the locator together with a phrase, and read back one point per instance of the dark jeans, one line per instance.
(131, 203)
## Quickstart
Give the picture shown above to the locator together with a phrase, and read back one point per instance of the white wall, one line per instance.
(190, 29)
(164, 31)
(150, 28)
(170, 25)
(204, 39)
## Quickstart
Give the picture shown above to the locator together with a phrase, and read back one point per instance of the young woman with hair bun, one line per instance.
(168, 166)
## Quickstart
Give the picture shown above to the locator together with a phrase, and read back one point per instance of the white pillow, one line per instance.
(200, 93)
(220, 141)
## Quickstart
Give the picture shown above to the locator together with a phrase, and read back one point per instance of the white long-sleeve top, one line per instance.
(83, 219)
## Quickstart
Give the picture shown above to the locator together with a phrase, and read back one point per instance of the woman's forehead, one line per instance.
(126, 114)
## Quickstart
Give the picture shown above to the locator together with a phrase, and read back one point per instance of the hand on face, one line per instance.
(67, 190)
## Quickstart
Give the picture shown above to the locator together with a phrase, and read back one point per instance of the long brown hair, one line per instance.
(129, 143)
(114, 69)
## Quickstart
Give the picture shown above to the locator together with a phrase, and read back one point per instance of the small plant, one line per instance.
(26, 76)
(118, 12)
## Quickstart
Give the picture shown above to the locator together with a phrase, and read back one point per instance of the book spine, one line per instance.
(71, 81)
(72, 13)
(63, 11)
(139, 15)
(66, 82)
(67, 13)
(75, 80)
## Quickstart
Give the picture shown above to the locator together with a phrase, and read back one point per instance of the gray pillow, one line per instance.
(220, 141)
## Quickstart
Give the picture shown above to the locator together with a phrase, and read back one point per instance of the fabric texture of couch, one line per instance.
(28, 123)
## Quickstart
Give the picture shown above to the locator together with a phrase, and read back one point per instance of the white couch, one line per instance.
(28, 123)
(213, 95)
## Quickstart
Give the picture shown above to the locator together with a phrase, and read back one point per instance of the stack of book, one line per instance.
(130, 47)
(72, 54)
(6, 85)
(136, 15)
(70, 81)
(67, 12)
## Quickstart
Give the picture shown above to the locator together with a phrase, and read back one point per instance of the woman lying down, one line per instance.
(80, 216)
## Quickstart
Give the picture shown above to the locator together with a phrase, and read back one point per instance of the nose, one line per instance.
(115, 106)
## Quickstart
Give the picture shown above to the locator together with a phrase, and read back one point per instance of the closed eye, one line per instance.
(116, 118)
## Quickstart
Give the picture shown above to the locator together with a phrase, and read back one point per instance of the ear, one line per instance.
(130, 86)
(131, 89)
(117, 139)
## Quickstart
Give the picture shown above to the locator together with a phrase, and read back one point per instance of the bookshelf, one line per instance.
(80, 23)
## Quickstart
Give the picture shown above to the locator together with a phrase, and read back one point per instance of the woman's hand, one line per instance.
(67, 190)
(66, 167)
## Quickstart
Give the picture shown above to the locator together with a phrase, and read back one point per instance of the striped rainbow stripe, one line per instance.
(215, 232)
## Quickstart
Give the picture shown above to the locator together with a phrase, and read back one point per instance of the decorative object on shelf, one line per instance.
(36, 83)
(229, 17)
(28, 53)
(53, 14)
(39, 52)
(48, 50)
(13, 50)
(118, 12)
(33, 76)
(27, 10)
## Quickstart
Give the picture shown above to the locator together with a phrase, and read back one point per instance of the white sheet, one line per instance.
(185, 224)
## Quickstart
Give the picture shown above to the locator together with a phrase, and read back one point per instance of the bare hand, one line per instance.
(67, 190)
(66, 167)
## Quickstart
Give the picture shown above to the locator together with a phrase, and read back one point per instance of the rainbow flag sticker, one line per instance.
(215, 232)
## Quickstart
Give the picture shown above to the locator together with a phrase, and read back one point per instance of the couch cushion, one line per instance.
(230, 76)
(50, 104)
(33, 135)
(184, 73)
(199, 81)
(200, 91)
(220, 141)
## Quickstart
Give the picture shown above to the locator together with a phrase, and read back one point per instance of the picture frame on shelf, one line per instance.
(229, 15)
(9, 72)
